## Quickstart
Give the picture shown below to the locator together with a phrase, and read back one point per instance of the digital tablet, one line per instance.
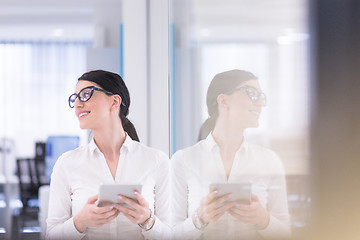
(241, 192)
(108, 193)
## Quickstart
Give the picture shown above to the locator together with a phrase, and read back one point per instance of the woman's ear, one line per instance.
(222, 100)
(116, 102)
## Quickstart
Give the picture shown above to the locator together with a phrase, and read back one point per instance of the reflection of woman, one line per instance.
(234, 101)
(114, 155)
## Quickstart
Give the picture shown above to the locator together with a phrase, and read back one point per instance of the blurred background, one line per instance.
(305, 54)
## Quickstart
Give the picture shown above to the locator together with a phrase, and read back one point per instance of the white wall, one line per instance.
(146, 69)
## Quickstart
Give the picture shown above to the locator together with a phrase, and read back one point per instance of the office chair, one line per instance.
(28, 181)
(29, 184)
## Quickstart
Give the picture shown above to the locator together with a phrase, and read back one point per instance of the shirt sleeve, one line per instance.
(161, 228)
(182, 224)
(60, 223)
(279, 224)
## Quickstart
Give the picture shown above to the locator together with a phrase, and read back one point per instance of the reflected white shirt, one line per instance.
(77, 176)
(194, 168)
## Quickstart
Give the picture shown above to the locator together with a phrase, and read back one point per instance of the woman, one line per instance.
(234, 101)
(114, 155)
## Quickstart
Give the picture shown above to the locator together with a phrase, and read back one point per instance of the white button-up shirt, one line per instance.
(194, 168)
(77, 176)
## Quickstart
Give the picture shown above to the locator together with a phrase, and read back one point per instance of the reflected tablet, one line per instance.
(108, 193)
(241, 191)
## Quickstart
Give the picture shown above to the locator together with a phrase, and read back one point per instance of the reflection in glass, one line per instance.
(225, 157)
(269, 39)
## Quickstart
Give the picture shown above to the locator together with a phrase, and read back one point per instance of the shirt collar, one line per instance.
(128, 144)
(211, 144)
(92, 145)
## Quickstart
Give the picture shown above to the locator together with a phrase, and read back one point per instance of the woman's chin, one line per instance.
(83, 126)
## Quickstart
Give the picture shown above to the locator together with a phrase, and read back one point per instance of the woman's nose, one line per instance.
(260, 102)
(78, 103)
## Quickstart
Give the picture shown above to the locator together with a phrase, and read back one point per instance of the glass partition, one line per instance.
(267, 38)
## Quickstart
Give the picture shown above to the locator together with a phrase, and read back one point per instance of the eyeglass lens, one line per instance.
(84, 95)
(254, 95)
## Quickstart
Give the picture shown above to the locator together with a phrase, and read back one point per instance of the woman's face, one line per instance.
(93, 113)
(242, 108)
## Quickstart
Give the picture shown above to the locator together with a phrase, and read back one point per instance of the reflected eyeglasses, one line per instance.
(252, 93)
(85, 94)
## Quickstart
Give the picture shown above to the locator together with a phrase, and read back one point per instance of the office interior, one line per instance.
(168, 51)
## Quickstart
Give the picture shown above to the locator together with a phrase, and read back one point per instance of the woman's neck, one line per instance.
(228, 139)
(110, 139)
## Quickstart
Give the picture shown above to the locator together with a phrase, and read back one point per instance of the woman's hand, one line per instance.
(212, 207)
(254, 213)
(94, 216)
(140, 211)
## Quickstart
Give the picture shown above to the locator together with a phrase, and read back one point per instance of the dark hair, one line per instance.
(112, 82)
(222, 83)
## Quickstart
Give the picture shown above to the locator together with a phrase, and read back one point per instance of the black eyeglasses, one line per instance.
(252, 93)
(85, 94)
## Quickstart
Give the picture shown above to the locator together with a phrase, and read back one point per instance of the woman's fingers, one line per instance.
(108, 214)
(254, 198)
(244, 219)
(133, 215)
(223, 208)
(217, 216)
(102, 221)
(240, 212)
(113, 216)
(218, 212)
(210, 197)
(105, 209)
(140, 199)
(139, 211)
(94, 216)
(131, 218)
(251, 214)
(92, 199)
(134, 206)
(107, 217)
(143, 208)
(131, 202)
(213, 207)
(220, 200)
(124, 209)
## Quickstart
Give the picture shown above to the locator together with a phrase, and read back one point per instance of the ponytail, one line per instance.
(207, 127)
(129, 127)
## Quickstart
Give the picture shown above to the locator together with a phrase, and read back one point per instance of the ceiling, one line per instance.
(252, 20)
(213, 20)
(48, 19)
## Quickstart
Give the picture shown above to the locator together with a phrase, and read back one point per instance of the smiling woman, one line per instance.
(234, 101)
(114, 155)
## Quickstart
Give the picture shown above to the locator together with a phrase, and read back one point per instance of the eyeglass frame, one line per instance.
(259, 94)
(93, 88)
